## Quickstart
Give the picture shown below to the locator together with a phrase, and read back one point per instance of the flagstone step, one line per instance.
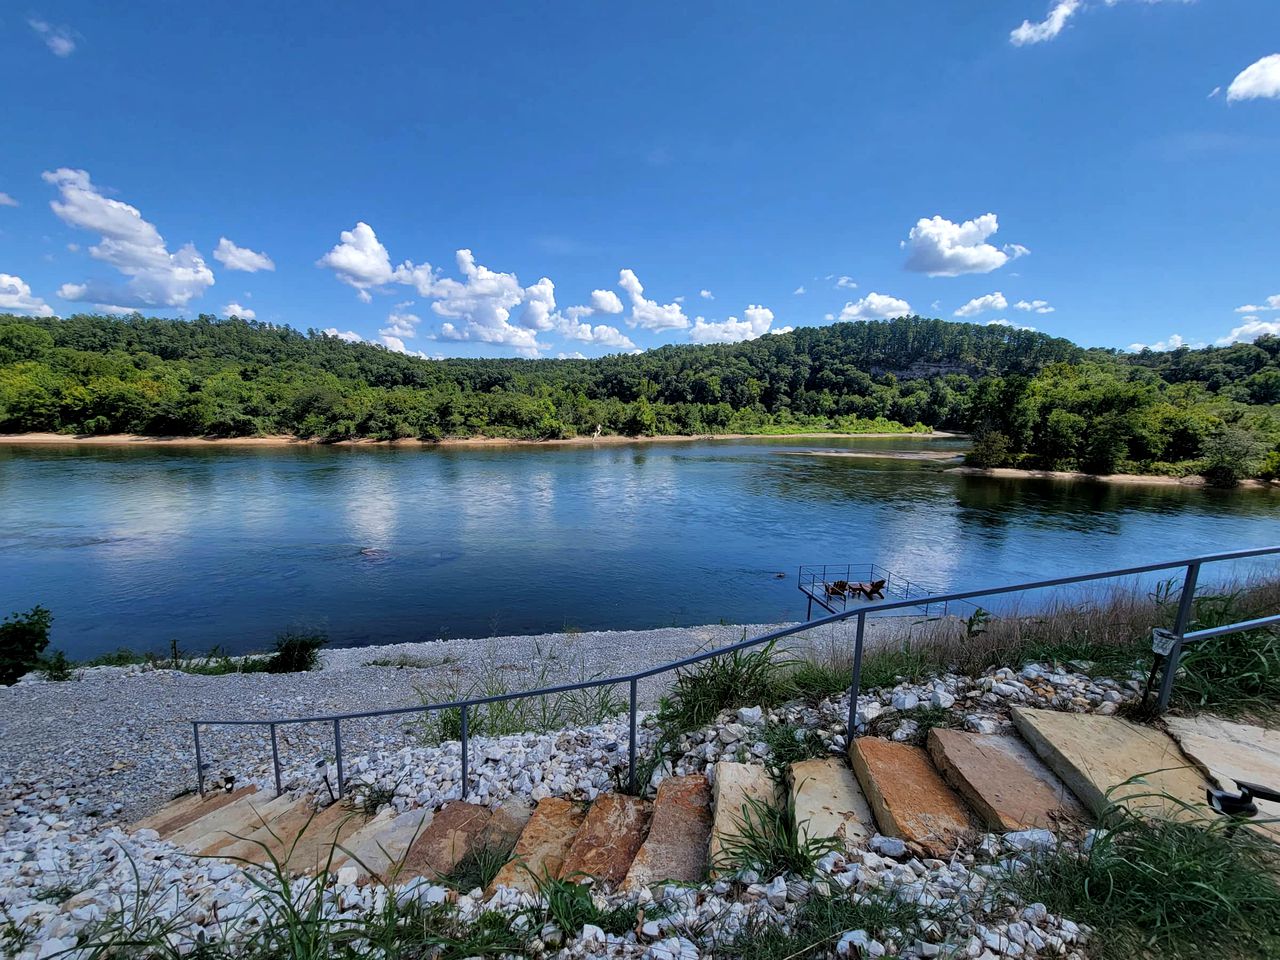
(908, 797)
(607, 842)
(172, 810)
(1002, 780)
(1230, 752)
(679, 833)
(274, 838)
(377, 848)
(213, 826)
(542, 846)
(734, 789)
(1095, 754)
(828, 802)
(317, 845)
(451, 835)
(260, 813)
(182, 812)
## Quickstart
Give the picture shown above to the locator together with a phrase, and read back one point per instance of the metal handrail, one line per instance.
(1192, 566)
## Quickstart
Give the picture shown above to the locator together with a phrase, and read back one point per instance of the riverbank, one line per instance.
(138, 440)
(1012, 473)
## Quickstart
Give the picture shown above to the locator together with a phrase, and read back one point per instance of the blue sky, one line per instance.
(1104, 170)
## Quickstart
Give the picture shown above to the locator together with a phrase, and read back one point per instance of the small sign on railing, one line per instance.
(1162, 641)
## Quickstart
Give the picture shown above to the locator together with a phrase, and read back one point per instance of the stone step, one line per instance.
(1002, 780)
(452, 833)
(908, 797)
(273, 839)
(170, 820)
(679, 832)
(260, 814)
(1095, 754)
(542, 846)
(1230, 752)
(170, 811)
(828, 802)
(316, 846)
(213, 826)
(733, 788)
(607, 842)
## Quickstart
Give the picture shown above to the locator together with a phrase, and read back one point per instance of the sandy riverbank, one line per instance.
(126, 439)
(1116, 478)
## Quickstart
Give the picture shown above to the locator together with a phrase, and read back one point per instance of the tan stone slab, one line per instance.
(274, 838)
(828, 802)
(908, 797)
(261, 813)
(1230, 752)
(186, 813)
(543, 845)
(453, 831)
(679, 832)
(734, 787)
(1002, 780)
(506, 825)
(1095, 754)
(170, 811)
(213, 826)
(316, 847)
(608, 840)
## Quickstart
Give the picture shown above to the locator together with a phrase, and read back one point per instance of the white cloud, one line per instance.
(1271, 303)
(992, 301)
(940, 248)
(780, 330)
(846, 283)
(241, 258)
(401, 323)
(60, 40)
(6, 200)
(875, 306)
(235, 310)
(605, 301)
(1249, 330)
(649, 314)
(396, 345)
(360, 260)
(1034, 306)
(130, 244)
(798, 291)
(348, 335)
(1048, 28)
(1258, 80)
(601, 334)
(575, 355)
(483, 302)
(706, 295)
(755, 322)
(1002, 322)
(15, 297)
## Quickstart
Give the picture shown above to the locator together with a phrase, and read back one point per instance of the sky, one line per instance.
(577, 179)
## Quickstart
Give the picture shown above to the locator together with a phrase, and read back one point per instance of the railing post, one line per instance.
(337, 753)
(195, 732)
(1186, 605)
(855, 684)
(464, 751)
(275, 759)
(631, 743)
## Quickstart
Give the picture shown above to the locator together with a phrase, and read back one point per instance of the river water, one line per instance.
(227, 546)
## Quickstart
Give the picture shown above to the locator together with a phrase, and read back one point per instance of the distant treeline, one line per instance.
(1028, 398)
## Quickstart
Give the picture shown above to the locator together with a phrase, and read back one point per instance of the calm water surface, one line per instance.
(228, 546)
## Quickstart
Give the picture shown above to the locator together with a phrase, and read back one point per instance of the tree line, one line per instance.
(1029, 399)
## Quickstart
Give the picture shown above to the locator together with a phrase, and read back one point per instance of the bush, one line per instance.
(55, 668)
(991, 448)
(23, 638)
(296, 652)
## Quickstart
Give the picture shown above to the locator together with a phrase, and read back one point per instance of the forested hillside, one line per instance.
(1029, 399)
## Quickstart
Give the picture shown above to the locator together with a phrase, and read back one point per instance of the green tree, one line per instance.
(23, 638)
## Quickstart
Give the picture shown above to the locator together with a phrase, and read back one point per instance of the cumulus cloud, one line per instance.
(1271, 303)
(360, 260)
(602, 335)
(846, 283)
(875, 306)
(1034, 306)
(706, 295)
(755, 322)
(1048, 28)
(61, 41)
(992, 301)
(1257, 81)
(348, 335)
(1173, 342)
(649, 314)
(235, 310)
(16, 297)
(401, 323)
(605, 301)
(940, 248)
(1250, 329)
(483, 300)
(780, 330)
(241, 258)
(6, 200)
(1002, 322)
(130, 244)
(574, 355)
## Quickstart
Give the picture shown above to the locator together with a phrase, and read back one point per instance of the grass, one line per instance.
(790, 743)
(1235, 673)
(1175, 889)
(770, 842)
(478, 867)
(571, 906)
(292, 652)
(744, 678)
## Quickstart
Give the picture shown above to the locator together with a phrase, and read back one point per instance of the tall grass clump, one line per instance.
(744, 678)
(771, 842)
(1236, 672)
(1188, 888)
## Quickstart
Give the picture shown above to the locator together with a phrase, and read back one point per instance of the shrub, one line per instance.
(991, 448)
(23, 638)
(296, 652)
(55, 668)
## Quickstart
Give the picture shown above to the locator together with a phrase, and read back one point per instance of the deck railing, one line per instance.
(1168, 646)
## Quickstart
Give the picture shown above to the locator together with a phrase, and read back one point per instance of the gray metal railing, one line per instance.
(1178, 638)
